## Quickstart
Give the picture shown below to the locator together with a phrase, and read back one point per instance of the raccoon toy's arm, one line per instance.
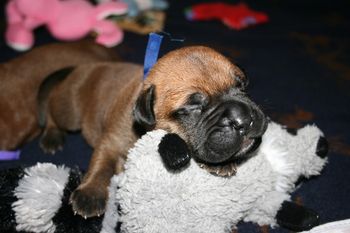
(174, 152)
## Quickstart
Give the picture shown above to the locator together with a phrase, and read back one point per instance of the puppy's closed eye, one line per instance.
(195, 104)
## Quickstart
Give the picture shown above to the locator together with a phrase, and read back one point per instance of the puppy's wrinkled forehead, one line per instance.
(185, 71)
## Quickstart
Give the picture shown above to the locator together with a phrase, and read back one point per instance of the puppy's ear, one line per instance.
(242, 82)
(143, 110)
(174, 152)
(241, 79)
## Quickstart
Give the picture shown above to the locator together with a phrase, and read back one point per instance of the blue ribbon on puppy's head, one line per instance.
(152, 52)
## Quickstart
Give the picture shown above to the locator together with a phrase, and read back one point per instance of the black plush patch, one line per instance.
(8, 182)
(292, 131)
(174, 152)
(65, 220)
(322, 147)
(296, 218)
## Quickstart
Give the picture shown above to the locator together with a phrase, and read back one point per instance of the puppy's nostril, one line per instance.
(242, 126)
(238, 125)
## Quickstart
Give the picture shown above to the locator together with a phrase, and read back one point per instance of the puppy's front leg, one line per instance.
(90, 198)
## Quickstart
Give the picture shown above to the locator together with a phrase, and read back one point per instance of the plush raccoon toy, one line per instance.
(148, 197)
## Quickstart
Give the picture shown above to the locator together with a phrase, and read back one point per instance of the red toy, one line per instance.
(236, 16)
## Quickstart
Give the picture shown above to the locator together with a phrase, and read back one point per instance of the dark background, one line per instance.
(299, 70)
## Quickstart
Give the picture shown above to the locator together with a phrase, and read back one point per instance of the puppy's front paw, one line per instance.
(52, 141)
(89, 201)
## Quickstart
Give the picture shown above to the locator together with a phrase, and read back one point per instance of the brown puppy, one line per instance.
(194, 92)
(20, 79)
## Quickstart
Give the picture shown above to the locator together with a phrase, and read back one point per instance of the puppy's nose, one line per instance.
(237, 115)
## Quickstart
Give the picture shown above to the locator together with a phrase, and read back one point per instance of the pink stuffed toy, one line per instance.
(65, 19)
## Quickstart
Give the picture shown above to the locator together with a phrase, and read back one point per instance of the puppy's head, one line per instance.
(199, 94)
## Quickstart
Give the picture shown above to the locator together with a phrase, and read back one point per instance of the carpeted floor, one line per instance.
(299, 70)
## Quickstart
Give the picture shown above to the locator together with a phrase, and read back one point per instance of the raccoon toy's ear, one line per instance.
(143, 110)
(297, 218)
(174, 152)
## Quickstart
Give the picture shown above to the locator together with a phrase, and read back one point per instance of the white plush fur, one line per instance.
(152, 199)
(39, 195)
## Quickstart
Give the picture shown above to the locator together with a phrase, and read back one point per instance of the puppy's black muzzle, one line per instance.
(239, 117)
(236, 132)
